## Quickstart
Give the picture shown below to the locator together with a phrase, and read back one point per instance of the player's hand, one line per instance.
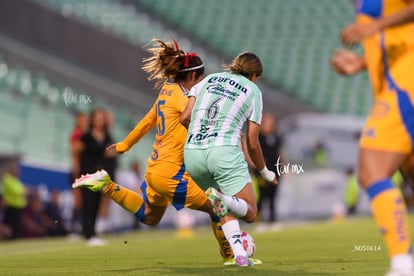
(269, 176)
(355, 33)
(111, 151)
(346, 62)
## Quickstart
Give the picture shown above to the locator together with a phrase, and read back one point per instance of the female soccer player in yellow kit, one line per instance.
(388, 137)
(166, 180)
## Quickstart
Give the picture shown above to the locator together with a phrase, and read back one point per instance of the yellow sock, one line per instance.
(129, 200)
(225, 248)
(389, 211)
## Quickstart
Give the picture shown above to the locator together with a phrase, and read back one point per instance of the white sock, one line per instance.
(237, 206)
(402, 262)
(231, 230)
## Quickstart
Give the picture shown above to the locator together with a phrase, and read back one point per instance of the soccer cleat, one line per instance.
(217, 200)
(94, 182)
(243, 261)
(232, 261)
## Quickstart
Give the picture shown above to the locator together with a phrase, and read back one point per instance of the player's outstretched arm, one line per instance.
(355, 33)
(138, 132)
(255, 152)
(347, 63)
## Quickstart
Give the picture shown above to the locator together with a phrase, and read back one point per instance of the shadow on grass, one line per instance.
(213, 270)
(239, 271)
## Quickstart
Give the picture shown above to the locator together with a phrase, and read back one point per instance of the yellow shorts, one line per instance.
(180, 190)
(390, 125)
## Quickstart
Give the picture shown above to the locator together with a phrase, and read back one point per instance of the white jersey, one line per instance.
(224, 102)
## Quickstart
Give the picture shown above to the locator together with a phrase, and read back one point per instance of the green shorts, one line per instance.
(223, 168)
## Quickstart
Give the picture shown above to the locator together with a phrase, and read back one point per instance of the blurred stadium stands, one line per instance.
(139, 25)
(295, 52)
(38, 116)
(294, 38)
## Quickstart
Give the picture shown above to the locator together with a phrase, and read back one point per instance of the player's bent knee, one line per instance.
(250, 216)
(365, 180)
(151, 221)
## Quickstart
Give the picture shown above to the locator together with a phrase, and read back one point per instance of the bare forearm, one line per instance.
(402, 17)
(245, 150)
(256, 156)
(248, 159)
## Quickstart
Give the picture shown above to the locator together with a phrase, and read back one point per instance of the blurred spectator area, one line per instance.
(37, 115)
(41, 88)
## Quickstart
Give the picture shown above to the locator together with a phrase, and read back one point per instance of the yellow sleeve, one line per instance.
(140, 130)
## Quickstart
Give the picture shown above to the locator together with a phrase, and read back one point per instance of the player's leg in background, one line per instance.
(243, 205)
(195, 198)
(216, 226)
(228, 234)
(375, 169)
(231, 233)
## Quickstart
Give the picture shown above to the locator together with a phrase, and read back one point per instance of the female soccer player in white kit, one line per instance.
(216, 112)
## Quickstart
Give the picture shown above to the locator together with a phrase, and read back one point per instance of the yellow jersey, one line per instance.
(389, 57)
(167, 156)
(389, 54)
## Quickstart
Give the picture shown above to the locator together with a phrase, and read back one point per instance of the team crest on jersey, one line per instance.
(154, 155)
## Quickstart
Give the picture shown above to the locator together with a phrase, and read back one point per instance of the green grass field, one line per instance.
(324, 248)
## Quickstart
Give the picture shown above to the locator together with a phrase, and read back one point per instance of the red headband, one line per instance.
(186, 56)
